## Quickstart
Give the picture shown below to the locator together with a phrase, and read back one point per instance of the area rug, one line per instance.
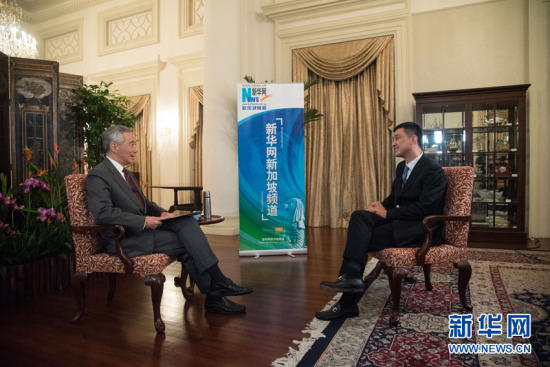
(503, 282)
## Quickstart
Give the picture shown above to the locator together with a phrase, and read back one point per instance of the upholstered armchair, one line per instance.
(90, 258)
(396, 261)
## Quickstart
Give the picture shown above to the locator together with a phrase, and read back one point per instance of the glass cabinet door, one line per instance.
(495, 140)
(484, 128)
(444, 133)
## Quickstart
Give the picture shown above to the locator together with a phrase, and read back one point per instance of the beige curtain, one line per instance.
(141, 107)
(195, 113)
(349, 162)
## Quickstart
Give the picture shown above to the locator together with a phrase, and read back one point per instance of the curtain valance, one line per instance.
(341, 61)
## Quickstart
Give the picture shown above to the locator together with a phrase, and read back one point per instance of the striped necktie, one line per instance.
(133, 186)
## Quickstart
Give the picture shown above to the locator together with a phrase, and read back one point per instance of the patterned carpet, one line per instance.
(503, 282)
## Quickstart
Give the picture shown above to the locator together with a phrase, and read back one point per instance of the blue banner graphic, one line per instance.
(271, 169)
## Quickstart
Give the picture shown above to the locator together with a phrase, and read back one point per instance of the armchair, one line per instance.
(90, 258)
(456, 218)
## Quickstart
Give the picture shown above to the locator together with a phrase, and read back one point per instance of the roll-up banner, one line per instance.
(271, 169)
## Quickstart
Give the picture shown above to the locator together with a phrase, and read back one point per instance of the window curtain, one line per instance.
(349, 162)
(141, 107)
(195, 112)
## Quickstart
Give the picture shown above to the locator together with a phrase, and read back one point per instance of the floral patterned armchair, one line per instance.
(90, 257)
(456, 218)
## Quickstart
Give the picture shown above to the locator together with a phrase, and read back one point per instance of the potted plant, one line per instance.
(97, 108)
(35, 238)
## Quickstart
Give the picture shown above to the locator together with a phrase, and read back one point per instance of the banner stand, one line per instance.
(271, 169)
(257, 254)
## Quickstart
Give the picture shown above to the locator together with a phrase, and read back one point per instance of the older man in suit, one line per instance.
(114, 196)
(418, 190)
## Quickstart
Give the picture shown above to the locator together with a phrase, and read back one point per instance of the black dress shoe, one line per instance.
(337, 312)
(343, 284)
(222, 305)
(228, 288)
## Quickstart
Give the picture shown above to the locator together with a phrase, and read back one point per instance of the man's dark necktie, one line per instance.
(133, 186)
(404, 177)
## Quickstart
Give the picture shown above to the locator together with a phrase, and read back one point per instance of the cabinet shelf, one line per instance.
(483, 128)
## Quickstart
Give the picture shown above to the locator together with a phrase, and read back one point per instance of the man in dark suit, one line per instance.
(418, 190)
(114, 197)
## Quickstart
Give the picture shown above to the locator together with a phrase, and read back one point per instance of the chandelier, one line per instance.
(13, 41)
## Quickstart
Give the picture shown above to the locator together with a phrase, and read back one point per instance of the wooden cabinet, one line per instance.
(483, 128)
(34, 114)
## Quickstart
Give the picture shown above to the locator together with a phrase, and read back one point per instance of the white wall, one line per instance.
(440, 45)
(143, 70)
(481, 45)
(493, 43)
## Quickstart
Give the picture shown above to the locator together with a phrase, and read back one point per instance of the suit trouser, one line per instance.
(185, 239)
(367, 232)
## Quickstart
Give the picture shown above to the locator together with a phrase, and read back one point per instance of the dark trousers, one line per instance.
(367, 232)
(184, 239)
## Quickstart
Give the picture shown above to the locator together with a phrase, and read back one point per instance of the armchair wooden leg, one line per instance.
(427, 278)
(409, 277)
(395, 277)
(156, 282)
(464, 275)
(112, 285)
(78, 282)
(375, 272)
(181, 281)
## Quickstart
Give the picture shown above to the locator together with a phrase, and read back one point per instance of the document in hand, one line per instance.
(194, 214)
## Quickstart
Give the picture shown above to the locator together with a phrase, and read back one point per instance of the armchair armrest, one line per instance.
(127, 261)
(422, 251)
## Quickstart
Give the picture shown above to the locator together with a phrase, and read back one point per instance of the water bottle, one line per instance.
(207, 206)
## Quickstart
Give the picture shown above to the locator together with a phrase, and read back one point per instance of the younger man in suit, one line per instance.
(418, 190)
(114, 197)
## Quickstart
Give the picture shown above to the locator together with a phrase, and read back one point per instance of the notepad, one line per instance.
(194, 214)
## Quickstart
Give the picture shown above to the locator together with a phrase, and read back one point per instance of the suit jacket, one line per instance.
(423, 195)
(111, 200)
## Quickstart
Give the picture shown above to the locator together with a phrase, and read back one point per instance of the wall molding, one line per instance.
(67, 37)
(190, 73)
(187, 27)
(128, 26)
(130, 72)
(188, 61)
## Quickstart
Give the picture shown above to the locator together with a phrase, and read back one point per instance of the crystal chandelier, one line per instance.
(13, 41)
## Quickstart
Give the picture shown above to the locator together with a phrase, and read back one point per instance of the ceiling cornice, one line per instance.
(295, 10)
(41, 13)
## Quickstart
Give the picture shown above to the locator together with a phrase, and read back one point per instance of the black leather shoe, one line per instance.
(343, 284)
(222, 305)
(337, 312)
(228, 288)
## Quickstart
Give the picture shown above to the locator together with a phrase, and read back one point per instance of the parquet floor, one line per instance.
(121, 333)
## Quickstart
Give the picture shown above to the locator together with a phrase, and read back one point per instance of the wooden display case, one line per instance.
(483, 128)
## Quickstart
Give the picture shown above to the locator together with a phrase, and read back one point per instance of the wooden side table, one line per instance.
(213, 220)
(197, 200)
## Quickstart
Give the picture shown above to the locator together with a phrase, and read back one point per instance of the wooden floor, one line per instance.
(121, 333)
